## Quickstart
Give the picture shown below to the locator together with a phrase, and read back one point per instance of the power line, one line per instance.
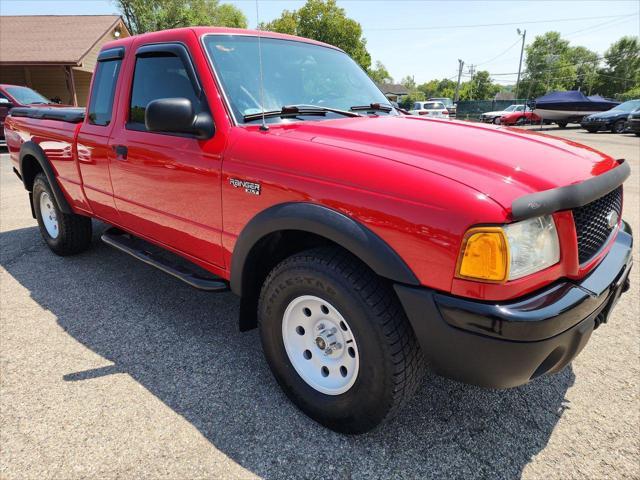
(480, 25)
(500, 54)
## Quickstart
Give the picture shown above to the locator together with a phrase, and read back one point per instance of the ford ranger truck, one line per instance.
(363, 243)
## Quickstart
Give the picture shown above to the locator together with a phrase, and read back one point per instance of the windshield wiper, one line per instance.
(297, 110)
(372, 107)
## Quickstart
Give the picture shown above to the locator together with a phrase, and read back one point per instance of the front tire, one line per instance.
(65, 234)
(562, 124)
(337, 340)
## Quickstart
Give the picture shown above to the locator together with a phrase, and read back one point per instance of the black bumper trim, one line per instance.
(505, 345)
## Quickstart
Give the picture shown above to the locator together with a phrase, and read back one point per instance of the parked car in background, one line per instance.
(519, 117)
(430, 109)
(614, 119)
(448, 103)
(494, 117)
(633, 122)
(17, 96)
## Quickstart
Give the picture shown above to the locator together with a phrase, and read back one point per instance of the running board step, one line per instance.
(164, 260)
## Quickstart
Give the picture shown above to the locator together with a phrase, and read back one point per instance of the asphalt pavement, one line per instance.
(111, 369)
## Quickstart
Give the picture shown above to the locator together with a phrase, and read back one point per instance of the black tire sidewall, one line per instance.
(367, 402)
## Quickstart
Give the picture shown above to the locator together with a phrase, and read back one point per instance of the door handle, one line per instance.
(121, 151)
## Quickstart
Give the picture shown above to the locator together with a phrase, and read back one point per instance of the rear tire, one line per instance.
(65, 234)
(562, 124)
(496, 121)
(376, 333)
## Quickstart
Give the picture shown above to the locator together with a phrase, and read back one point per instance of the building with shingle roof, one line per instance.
(55, 54)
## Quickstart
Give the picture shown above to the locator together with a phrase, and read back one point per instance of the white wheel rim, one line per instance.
(48, 214)
(320, 345)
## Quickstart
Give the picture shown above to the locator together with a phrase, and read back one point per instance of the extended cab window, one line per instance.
(158, 77)
(103, 91)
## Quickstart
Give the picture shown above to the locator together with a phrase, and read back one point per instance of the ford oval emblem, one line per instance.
(612, 219)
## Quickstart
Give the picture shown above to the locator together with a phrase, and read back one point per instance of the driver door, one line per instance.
(167, 186)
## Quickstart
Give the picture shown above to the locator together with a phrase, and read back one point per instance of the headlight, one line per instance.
(498, 254)
(533, 245)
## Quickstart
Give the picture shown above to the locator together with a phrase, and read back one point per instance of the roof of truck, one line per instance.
(200, 31)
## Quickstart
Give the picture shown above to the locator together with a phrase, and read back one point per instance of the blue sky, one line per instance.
(425, 38)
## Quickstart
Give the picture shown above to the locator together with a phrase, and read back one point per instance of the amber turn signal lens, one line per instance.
(485, 255)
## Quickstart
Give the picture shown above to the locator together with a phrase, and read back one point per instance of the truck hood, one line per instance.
(501, 162)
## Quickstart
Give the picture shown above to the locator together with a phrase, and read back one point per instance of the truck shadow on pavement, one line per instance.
(184, 347)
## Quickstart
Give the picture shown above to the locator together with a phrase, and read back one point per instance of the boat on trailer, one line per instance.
(570, 106)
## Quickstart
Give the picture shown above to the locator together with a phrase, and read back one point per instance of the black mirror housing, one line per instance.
(177, 115)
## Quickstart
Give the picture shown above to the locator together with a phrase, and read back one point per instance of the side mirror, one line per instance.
(6, 103)
(177, 115)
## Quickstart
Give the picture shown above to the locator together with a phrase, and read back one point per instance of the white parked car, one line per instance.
(430, 109)
(494, 117)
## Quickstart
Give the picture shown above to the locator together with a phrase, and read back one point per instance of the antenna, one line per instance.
(263, 127)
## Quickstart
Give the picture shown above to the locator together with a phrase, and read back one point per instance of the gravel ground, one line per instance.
(110, 369)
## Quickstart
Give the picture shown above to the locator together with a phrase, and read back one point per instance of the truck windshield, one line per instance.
(26, 96)
(294, 73)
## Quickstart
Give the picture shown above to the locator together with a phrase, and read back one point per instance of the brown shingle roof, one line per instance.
(393, 89)
(62, 39)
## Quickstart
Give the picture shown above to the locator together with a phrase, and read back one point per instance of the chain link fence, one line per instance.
(472, 109)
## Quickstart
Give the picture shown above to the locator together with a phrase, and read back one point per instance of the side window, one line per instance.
(417, 106)
(158, 77)
(103, 91)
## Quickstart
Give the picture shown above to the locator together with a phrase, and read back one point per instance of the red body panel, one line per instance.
(417, 183)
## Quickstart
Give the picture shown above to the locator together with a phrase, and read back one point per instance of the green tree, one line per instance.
(622, 67)
(585, 64)
(380, 74)
(548, 65)
(286, 23)
(409, 83)
(142, 16)
(480, 87)
(438, 88)
(325, 21)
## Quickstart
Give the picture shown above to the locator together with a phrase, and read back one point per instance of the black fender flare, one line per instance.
(325, 222)
(32, 149)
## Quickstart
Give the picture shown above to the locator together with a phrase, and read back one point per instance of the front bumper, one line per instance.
(596, 124)
(508, 344)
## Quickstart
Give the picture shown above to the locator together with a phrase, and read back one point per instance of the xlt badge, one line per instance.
(250, 187)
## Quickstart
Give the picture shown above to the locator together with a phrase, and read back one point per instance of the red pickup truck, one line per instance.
(362, 242)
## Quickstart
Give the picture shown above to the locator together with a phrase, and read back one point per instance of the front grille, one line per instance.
(592, 223)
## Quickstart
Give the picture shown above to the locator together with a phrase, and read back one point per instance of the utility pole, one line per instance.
(472, 72)
(457, 94)
(524, 36)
